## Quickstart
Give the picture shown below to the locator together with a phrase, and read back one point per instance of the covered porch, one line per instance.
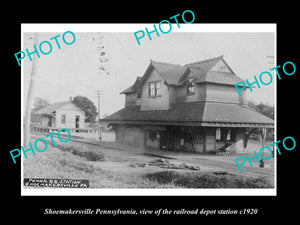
(189, 127)
(199, 139)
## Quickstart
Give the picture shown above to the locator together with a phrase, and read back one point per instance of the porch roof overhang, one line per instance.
(187, 123)
(205, 114)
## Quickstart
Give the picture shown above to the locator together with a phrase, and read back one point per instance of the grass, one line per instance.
(208, 180)
(82, 151)
(77, 161)
(78, 166)
(80, 161)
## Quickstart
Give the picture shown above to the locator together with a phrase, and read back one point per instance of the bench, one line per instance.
(224, 150)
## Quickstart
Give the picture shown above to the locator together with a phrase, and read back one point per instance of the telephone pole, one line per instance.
(99, 94)
(46, 100)
(271, 59)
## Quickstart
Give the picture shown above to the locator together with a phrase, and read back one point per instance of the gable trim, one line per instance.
(147, 73)
(226, 66)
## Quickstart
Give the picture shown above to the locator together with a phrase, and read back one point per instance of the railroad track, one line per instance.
(72, 139)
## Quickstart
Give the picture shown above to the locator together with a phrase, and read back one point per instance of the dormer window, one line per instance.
(154, 89)
(190, 87)
(157, 88)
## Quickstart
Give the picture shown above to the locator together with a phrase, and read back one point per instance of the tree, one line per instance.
(87, 106)
(39, 103)
(264, 109)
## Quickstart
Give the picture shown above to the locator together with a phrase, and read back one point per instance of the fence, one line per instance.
(39, 128)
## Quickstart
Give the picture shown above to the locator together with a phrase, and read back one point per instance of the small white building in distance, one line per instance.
(62, 115)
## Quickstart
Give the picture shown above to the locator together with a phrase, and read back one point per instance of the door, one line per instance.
(76, 121)
(49, 122)
(163, 140)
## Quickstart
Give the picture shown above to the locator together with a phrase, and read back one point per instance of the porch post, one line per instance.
(262, 135)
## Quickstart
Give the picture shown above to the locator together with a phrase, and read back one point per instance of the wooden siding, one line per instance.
(71, 111)
(130, 99)
(221, 93)
(156, 102)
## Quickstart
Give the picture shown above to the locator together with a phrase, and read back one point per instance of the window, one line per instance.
(76, 121)
(154, 88)
(63, 119)
(157, 88)
(153, 135)
(190, 87)
(218, 134)
(228, 138)
(223, 134)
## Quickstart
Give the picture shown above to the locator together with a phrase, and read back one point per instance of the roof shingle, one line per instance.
(53, 107)
(219, 112)
(173, 74)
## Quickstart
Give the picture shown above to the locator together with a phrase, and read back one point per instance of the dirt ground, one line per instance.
(207, 162)
(124, 166)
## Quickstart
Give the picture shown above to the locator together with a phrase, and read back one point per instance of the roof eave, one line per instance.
(190, 123)
(213, 82)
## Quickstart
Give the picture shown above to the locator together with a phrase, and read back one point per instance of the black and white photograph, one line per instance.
(178, 114)
(145, 111)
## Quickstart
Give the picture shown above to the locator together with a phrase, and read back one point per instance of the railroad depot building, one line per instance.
(194, 107)
(61, 115)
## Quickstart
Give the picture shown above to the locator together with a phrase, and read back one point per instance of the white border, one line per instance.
(194, 28)
(134, 27)
(148, 192)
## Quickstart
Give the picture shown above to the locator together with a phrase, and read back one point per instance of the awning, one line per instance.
(206, 114)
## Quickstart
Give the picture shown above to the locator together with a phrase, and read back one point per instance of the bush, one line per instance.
(208, 180)
(163, 177)
(89, 155)
(94, 156)
(78, 166)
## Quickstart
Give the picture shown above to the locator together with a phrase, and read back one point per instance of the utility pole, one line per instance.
(29, 97)
(99, 95)
(46, 100)
(271, 59)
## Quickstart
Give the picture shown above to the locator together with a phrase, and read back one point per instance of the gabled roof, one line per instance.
(207, 64)
(220, 78)
(197, 113)
(133, 87)
(200, 69)
(174, 74)
(53, 107)
(169, 72)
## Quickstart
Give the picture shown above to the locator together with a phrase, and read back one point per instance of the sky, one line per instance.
(73, 69)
